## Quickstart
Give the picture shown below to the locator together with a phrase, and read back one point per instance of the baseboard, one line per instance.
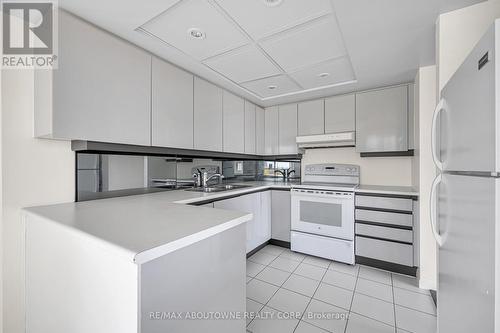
(276, 242)
(257, 249)
(281, 243)
(388, 266)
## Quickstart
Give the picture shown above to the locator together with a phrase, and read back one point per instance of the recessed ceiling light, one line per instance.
(272, 87)
(272, 3)
(322, 75)
(196, 33)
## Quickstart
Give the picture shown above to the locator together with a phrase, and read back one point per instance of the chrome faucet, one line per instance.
(205, 178)
(285, 173)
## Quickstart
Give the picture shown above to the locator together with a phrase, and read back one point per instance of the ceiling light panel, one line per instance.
(261, 18)
(272, 86)
(339, 71)
(244, 64)
(306, 45)
(175, 27)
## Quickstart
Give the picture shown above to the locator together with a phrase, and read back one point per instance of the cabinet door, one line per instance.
(260, 129)
(233, 123)
(172, 106)
(265, 217)
(340, 114)
(382, 120)
(250, 128)
(311, 117)
(271, 130)
(249, 204)
(281, 215)
(207, 116)
(102, 88)
(411, 116)
(287, 131)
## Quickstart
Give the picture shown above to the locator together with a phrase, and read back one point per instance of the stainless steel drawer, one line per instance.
(384, 250)
(384, 217)
(385, 203)
(401, 235)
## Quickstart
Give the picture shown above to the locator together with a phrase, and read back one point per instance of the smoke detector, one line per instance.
(196, 33)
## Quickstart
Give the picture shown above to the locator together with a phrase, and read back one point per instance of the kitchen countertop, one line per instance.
(394, 190)
(139, 227)
(146, 226)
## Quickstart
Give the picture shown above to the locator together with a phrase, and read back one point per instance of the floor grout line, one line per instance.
(394, 304)
(352, 301)
(328, 268)
(271, 283)
(310, 299)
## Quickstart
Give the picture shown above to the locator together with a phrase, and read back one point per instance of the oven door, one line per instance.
(325, 213)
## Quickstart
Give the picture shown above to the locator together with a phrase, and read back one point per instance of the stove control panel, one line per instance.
(332, 169)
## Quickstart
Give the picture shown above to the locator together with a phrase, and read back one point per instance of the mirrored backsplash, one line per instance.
(108, 175)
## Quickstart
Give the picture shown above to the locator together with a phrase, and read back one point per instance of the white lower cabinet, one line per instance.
(385, 232)
(259, 228)
(280, 215)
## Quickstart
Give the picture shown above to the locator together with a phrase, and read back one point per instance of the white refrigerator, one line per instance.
(465, 197)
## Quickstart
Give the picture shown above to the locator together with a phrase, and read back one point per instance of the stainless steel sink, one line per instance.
(217, 188)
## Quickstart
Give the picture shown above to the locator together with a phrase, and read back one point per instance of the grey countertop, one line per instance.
(148, 225)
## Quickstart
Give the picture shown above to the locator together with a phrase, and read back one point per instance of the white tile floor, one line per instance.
(290, 291)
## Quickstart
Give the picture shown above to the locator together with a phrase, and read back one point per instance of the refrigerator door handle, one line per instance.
(442, 106)
(433, 208)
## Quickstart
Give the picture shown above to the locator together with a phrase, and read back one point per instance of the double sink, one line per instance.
(217, 188)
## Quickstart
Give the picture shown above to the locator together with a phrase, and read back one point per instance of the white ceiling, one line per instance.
(275, 54)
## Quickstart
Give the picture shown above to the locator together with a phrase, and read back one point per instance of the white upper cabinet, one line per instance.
(101, 90)
(311, 117)
(172, 106)
(271, 131)
(287, 131)
(411, 117)
(340, 114)
(382, 120)
(207, 116)
(233, 123)
(260, 129)
(249, 128)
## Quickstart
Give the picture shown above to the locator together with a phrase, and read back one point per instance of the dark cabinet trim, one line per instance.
(388, 266)
(385, 225)
(384, 195)
(384, 239)
(385, 210)
(126, 149)
(410, 152)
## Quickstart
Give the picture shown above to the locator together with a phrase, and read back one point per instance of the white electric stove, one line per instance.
(323, 211)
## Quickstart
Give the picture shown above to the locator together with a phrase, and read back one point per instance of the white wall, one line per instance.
(458, 32)
(34, 172)
(425, 96)
(393, 171)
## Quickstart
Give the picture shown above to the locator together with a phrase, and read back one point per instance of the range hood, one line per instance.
(327, 140)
